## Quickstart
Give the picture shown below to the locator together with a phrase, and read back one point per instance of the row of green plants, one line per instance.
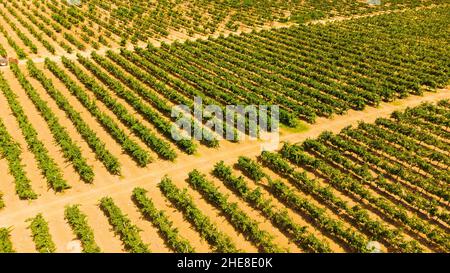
(32, 30)
(345, 79)
(59, 15)
(344, 182)
(41, 234)
(312, 102)
(70, 15)
(141, 20)
(38, 18)
(348, 68)
(40, 13)
(158, 102)
(295, 81)
(150, 96)
(300, 81)
(71, 151)
(129, 146)
(11, 151)
(24, 38)
(122, 226)
(421, 66)
(6, 245)
(226, 87)
(407, 173)
(50, 170)
(2, 202)
(299, 70)
(312, 57)
(161, 147)
(408, 155)
(352, 238)
(44, 23)
(219, 241)
(34, 19)
(3, 52)
(80, 227)
(71, 19)
(236, 76)
(257, 59)
(19, 51)
(347, 141)
(315, 62)
(160, 124)
(356, 214)
(395, 129)
(361, 172)
(160, 89)
(149, 79)
(137, 21)
(69, 37)
(154, 72)
(279, 218)
(235, 215)
(110, 162)
(423, 126)
(161, 221)
(193, 81)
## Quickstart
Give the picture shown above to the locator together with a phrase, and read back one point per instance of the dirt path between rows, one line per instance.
(346, 18)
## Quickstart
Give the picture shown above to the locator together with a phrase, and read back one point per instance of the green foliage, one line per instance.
(129, 146)
(32, 30)
(343, 181)
(161, 221)
(280, 218)
(375, 228)
(238, 218)
(41, 235)
(161, 104)
(250, 168)
(122, 226)
(219, 241)
(48, 166)
(141, 156)
(71, 151)
(5, 241)
(98, 146)
(11, 151)
(20, 34)
(161, 147)
(78, 222)
(19, 51)
(2, 203)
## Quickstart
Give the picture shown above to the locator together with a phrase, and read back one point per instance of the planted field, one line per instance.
(336, 192)
(91, 160)
(53, 27)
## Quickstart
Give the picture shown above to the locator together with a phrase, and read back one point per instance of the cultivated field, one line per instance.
(89, 161)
